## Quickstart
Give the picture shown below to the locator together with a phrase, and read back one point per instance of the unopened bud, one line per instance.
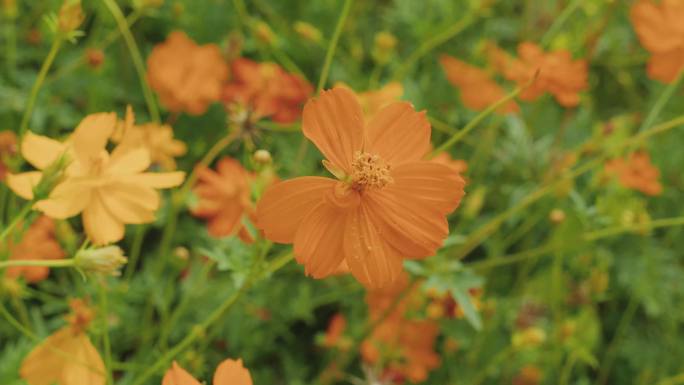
(383, 47)
(95, 57)
(70, 16)
(262, 157)
(264, 33)
(557, 216)
(104, 260)
(307, 31)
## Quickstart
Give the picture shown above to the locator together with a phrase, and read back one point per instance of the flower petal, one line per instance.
(90, 137)
(334, 123)
(23, 184)
(130, 204)
(178, 376)
(40, 151)
(318, 243)
(66, 200)
(230, 372)
(283, 205)
(129, 162)
(155, 179)
(101, 226)
(398, 134)
(227, 222)
(371, 259)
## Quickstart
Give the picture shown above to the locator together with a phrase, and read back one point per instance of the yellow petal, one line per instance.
(41, 151)
(155, 179)
(130, 204)
(129, 162)
(100, 224)
(92, 134)
(23, 184)
(178, 376)
(66, 200)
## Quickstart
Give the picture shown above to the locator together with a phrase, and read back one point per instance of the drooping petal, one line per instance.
(101, 226)
(318, 243)
(130, 204)
(155, 179)
(282, 206)
(66, 200)
(227, 222)
(178, 376)
(372, 261)
(90, 137)
(334, 123)
(398, 134)
(411, 212)
(231, 372)
(41, 151)
(129, 162)
(23, 184)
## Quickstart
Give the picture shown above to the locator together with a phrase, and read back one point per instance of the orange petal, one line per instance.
(40, 151)
(129, 162)
(398, 134)
(334, 123)
(101, 226)
(92, 134)
(227, 222)
(666, 66)
(370, 258)
(178, 376)
(23, 184)
(318, 243)
(231, 372)
(66, 200)
(283, 205)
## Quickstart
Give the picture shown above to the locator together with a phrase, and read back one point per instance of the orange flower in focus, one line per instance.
(224, 198)
(111, 190)
(266, 90)
(188, 77)
(388, 203)
(556, 72)
(38, 242)
(660, 28)
(157, 139)
(478, 90)
(67, 357)
(8, 148)
(405, 347)
(229, 372)
(636, 172)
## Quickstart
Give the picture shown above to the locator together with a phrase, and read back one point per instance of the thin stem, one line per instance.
(104, 309)
(17, 219)
(333, 44)
(429, 44)
(134, 51)
(38, 262)
(136, 248)
(560, 20)
(609, 357)
(667, 222)
(662, 101)
(47, 63)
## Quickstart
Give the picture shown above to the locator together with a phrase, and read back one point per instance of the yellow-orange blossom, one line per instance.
(387, 204)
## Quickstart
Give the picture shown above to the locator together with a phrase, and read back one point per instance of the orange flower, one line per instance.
(8, 148)
(229, 372)
(67, 357)
(458, 165)
(38, 242)
(265, 89)
(636, 173)
(188, 77)
(374, 101)
(404, 347)
(478, 90)
(556, 72)
(388, 203)
(661, 31)
(224, 198)
(109, 189)
(157, 139)
(333, 335)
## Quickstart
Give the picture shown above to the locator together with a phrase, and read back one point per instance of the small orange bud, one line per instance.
(95, 57)
(70, 16)
(557, 216)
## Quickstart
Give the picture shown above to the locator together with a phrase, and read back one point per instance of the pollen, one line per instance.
(369, 171)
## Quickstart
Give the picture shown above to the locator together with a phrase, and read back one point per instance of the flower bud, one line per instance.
(383, 47)
(105, 260)
(95, 57)
(557, 216)
(264, 33)
(307, 31)
(262, 157)
(70, 16)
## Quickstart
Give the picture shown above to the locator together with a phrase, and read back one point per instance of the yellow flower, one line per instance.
(111, 190)
(157, 139)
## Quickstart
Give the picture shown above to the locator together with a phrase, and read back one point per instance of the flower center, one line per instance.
(369, 171)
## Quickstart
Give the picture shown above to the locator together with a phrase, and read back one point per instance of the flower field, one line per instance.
(390, 192)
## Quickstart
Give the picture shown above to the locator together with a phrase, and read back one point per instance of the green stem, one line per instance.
(609, 357)
(104, 309)
(429, 44)
(136, 248)
(662, 101)
(560, 20)
(135, 56)
(667, 222)
(333, 44)
(47, 63)
(17, 219)
(37, 262)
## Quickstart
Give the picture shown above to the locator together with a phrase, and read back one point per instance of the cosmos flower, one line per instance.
(266, 90)
(387, 204)
(38, 242)
(636, 172)
(8, 148)
(156, 138)
(110, 190)
(555, 72)
(224, 198)
(478, 90)
(661, 31)
(188, 77)
(67, 357)
(229, 372)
